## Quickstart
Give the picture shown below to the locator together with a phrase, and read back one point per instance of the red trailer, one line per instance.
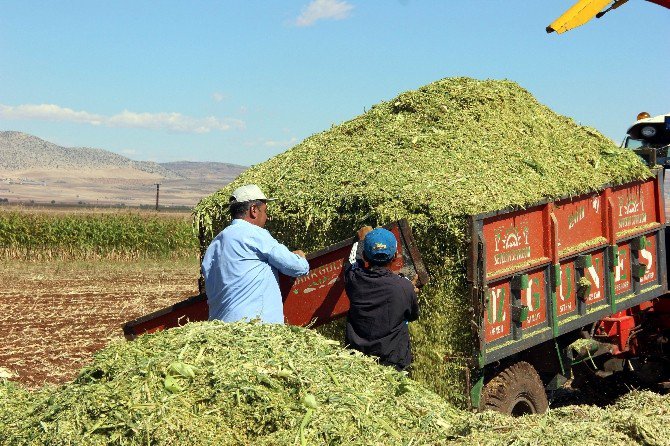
(587, 267)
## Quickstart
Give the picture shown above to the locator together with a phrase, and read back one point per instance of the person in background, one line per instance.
(242, 263)
(381, 302)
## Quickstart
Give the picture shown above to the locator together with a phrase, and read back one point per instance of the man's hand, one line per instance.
(414, 281)
(363, 232)
(299, 252)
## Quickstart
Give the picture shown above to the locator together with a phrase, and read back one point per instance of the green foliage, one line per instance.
(450, 149)
(37, 236)
(215, 383)
(637, 418)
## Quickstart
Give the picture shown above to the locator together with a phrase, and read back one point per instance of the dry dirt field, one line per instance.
(54, 315)
(105, 187)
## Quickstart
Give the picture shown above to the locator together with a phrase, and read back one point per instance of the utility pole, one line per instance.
(157, 189)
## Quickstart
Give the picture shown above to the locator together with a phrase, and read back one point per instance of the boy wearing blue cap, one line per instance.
(381, 302)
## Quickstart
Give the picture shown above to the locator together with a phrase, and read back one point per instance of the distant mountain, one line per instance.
(222, 172)
(21, 151)
(34, 170)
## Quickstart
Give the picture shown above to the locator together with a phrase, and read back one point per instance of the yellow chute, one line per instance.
(580, 13)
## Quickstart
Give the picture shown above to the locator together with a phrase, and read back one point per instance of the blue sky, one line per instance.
(241, 81)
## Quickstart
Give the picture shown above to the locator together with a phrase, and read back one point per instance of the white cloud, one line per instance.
(49, 112)
(171, 121)
(218, 96)
(324, 9)
(175, 122)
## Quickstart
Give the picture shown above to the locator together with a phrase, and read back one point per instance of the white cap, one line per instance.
(250, 192)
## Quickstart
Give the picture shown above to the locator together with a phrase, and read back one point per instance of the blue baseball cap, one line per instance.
(379, 245)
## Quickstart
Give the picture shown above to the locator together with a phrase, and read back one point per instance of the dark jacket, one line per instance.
(381, 304)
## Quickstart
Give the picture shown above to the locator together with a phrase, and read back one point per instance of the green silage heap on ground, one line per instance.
(214, 383)
(452, 148)
(637, 418)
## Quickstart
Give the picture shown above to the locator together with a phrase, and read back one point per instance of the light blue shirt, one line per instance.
(241, 268)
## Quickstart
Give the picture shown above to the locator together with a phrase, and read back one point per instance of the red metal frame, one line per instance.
(616, 330)
(620, 328)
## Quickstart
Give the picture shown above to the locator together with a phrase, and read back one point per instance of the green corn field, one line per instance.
(120, 236)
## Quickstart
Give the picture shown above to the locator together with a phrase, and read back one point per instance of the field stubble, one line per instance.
(54, 315)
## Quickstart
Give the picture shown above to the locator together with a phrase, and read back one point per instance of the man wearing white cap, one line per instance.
(242, 263)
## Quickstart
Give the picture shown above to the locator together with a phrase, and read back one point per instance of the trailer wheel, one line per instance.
(516, 391)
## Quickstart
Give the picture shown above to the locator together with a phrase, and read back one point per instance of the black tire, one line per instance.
(516, 391)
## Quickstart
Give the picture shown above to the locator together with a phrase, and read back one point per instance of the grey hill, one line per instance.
(211, 171)
(35, 170)
(20, 151)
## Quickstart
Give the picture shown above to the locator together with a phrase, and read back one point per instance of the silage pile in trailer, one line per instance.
(434, 155)
(213, 383)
